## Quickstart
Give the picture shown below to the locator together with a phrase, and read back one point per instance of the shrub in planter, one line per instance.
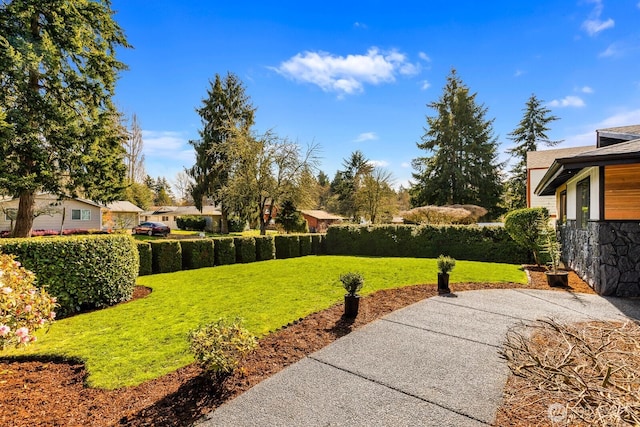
(225, 251)
(352, 283)
(82, 272)
(197, 253)
(287, 246)
(265, 248)
(144, 252)
(523, 227)
(166, 256)
(245, 249)
(445, 265)
(24, 308)
(220, 347)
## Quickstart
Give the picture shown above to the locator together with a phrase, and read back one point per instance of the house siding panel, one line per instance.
(622, 192)
(535, 176)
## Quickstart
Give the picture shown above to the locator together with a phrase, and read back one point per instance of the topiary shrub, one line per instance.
(221, 346)
(191, 222)
(523, 225)
(24, 308)
(305, 244)
(287, 246)
(166, 256)
(317, 244)
(265, 248)
(197, 253)
(82, 272)
(144, 253)
(225, 251)
(245, 249)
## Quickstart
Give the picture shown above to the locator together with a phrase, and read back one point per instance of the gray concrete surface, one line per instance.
(434, 363)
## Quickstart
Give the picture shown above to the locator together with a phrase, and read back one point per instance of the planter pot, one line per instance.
(351, 305)
(443, 284)
(557, 279)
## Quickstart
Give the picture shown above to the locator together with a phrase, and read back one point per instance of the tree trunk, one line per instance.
(24, 219)
(224, 221)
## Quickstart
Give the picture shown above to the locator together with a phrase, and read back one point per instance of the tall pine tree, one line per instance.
(531, 131)
(226, 111)
(58, 71)
(461, 166)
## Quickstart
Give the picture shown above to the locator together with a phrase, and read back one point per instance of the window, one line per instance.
(582, 203)
(562, 215)
(81, 214)
(165, 218)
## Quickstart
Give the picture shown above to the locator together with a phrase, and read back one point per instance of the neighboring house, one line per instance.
(121, 215)
(53, 214)
(597, 195)
(318, 221)
(169, 214)
(538, 163)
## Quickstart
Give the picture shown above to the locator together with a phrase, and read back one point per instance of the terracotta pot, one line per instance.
(351, 305)
(558, 279)
(443, 284)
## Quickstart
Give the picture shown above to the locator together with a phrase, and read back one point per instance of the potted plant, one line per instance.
(445, 265)
(352, 283)
(551, 246)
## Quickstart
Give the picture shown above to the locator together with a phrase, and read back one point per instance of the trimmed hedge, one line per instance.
(472, 243)
(245, 249)
(287, 246)
(318, 244)
(191, 222)
(82, 272)
(197, 253)
(144, 252)
(225, 251)
(265, 248)
(305, 244)
(166, 256)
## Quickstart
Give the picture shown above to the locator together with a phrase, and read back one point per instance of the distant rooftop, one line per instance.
(544, 158)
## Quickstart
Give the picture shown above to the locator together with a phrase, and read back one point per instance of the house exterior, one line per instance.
(318, 221)
(121, 215)
(538, 162)
(169, 215)
(53, 214)
(597, 195)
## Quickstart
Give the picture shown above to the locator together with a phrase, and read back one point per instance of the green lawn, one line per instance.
(144, 339)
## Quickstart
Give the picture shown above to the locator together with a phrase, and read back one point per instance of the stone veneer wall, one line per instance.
(605, 254)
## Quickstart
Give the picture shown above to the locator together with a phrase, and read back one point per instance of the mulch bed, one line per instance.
(52, 392)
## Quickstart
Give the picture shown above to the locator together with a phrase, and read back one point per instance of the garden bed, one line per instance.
(52, 392)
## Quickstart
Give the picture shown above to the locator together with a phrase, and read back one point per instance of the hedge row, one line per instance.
(165, 256)
(82, 272)
(472, 243)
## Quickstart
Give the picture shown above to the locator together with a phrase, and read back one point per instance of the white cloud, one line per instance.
(347, 74)
(405, 165)
(593, 25)
(586, 89)
(366, 136)
(611, 51)
(424, 85)
(360, 25)
(588, 134)
(424, 56)
(166, 144)
(568, 101)
(518, 73)
(378, 163)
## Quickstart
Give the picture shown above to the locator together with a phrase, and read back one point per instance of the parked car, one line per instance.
(152, 228)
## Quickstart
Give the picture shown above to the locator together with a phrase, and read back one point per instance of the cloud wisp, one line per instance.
(594, 24)
(366, 136)
(347, 75)
(568, 101)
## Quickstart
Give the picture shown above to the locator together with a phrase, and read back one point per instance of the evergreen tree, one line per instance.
(531, 131)
(461, 167)
(226, 111)
(347, 182)
(58, 71)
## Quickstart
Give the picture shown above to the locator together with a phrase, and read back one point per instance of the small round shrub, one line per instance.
(24, 308)
(445, 264)
(352, 282)
(523, 225)
(220, 347)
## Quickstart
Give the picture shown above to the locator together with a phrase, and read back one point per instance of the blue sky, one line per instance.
(358, 75)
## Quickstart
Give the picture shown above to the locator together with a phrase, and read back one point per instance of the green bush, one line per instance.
(220, 347)
(523, 225)
(225, 251)
(245, 249)
(236, 225)
(82, 272)
(445, 264)
(287, 246)
(197, 253)
(144, 252)
(191, 222)
(352, 282)
(472, 243)
(265, 248)
(166, 256)
(305, 244)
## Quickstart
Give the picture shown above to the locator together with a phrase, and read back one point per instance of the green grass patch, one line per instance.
(147, 338)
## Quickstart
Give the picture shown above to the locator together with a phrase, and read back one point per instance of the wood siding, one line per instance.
(622, 192)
